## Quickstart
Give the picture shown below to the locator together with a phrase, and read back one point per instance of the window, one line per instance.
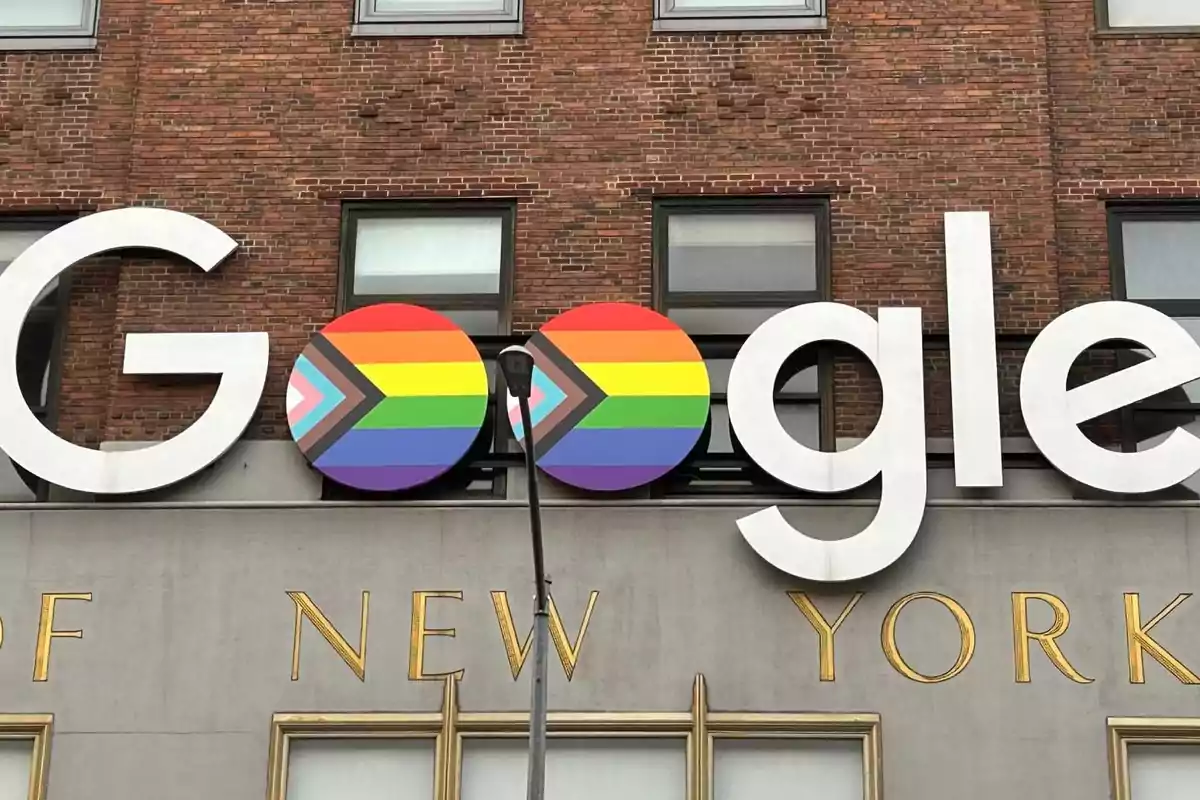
(1155, 254)
(1154, 759)
(658, 755)
(437, 17)
(48, 24)
(577, 768)
(38, 349)
(738, 15)
(780, 250)
(365, 757)
(1148, 14)
(24, 755)
(832, 769)
(455, 258)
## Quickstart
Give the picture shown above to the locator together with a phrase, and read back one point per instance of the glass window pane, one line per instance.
(360, 769)
(475, 321)
(42, 13)
(742, 252)
(1162, 259)
(1152, 13)
(437, 6)
(1164, 771)
(16, 762)
(728, 321)
(787, 5)
(772, 769)
(428, 255)
(577, 769)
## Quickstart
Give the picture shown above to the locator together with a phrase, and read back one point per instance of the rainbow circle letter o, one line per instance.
(620, 397)
(387, 397)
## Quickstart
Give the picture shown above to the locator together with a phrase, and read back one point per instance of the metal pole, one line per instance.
(541, 621)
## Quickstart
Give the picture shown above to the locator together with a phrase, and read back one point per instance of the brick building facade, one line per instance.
(266, 117)
(1021, 632)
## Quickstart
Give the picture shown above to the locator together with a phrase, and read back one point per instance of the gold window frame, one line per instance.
(37, 729)
(1124, 731)
(698, 728)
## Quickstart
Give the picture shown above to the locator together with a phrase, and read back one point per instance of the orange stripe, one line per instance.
(591, 347)
(404, 347)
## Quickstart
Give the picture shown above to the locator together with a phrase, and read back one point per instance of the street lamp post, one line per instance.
(516, 363)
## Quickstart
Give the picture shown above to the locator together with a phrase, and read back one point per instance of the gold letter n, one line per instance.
(306, 608)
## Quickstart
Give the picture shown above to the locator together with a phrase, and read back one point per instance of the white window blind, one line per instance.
(1153, 13)
(788, 769)
(16, 765)
(360, 769)
(741, 253)
(734, 5)
(428, 255)
(1164, 772)
(43, 13)
(577, 769)
(1162, 257)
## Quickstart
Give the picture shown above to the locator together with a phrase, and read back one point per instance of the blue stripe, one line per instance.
(553, 397)
(620, 447)
(331, 396)
(398, 447)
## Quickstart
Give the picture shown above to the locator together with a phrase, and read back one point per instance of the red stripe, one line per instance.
(390, 317)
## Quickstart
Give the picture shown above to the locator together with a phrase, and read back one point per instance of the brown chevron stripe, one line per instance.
(354, 397)
(582, 394)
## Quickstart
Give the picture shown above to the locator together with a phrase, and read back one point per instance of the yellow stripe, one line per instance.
(649, 378)
(427, 379)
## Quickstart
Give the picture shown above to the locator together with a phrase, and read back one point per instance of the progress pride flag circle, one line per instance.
(387, 397)
(620, 397)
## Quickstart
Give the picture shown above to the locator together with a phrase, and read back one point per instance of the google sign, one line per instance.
(391, 396)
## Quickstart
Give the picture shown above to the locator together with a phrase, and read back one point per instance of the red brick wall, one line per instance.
(262, 116)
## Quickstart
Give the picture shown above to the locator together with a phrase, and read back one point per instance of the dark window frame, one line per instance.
(735, 17)
(504, 452)
(59, 315)
(1104, 26)
(1119, 212)
(726, 346)
(367, 21)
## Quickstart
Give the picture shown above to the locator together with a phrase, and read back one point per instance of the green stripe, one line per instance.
(649, 412)
(426, 412)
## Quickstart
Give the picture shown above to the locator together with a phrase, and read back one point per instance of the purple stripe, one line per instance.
(398, 447)
(383, 479)
(607, 479)
(621, 447)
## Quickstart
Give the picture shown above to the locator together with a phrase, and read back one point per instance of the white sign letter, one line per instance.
(895, 449)
(239, 358)
(1053, 414)
(973, 382)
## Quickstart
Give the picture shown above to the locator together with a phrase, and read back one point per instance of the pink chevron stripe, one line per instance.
(310, 398)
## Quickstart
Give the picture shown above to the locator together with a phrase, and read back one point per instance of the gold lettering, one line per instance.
(307, 609)
(825, 631)
(47, 634)
(517, 653)
(966, 632)
(416, 649)
(568, 655)
(1138, 638)
(1022, 635)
